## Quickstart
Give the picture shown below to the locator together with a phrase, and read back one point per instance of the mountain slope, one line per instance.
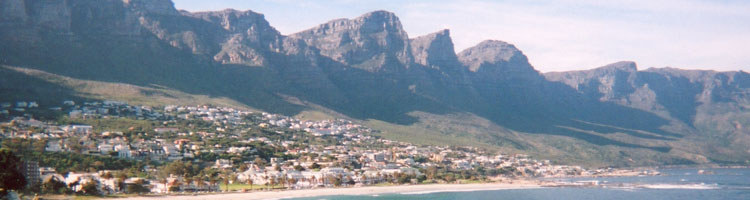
(707, 106)
(368, 69)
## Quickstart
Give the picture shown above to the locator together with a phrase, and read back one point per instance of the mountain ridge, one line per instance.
(369, 69)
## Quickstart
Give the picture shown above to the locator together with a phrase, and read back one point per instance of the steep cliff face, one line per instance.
(495, 61)
(434, 50)
(373, 42)
(681, 94)
(700, 103)
(247, 37)
(162, 7)
(613, 82)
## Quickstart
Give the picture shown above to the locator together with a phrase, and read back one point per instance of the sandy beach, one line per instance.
(369, 190)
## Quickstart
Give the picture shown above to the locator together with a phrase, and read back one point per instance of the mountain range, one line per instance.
(368, 69)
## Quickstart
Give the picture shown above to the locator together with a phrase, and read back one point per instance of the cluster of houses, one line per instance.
(376, 159)
(20, 107)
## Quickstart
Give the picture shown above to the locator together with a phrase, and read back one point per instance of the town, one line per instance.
(110, 147)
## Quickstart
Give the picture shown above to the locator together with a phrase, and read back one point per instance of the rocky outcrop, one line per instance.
(612, 81)
(373, 42)
(494, 61)
(492, 55)
(434, 50)
(672, 93)
(247, 36)
(162, 7)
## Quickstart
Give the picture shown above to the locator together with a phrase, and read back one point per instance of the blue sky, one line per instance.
(555, 35)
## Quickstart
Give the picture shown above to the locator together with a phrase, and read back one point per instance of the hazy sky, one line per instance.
(555, 35)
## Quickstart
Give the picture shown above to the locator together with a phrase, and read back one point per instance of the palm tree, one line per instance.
(199, 181)
(212, 180)
(292, 181)
(273, 181)
(188, 181)
(225, 176)
(250, 182)
(283, 181)
(164, 181)
(266, 178)
(226, 184)
(176, 182)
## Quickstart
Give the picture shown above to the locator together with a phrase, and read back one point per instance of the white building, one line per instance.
(53, 146)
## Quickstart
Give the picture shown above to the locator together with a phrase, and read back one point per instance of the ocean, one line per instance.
(673, 184)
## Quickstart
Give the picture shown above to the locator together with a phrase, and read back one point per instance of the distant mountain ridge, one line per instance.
(369, 69)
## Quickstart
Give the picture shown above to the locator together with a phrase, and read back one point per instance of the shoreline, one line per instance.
(355, 191)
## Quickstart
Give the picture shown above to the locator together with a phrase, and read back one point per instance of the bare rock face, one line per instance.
(685, 95)
(13, 11)
(373, 42)
(247, 36)
(490, 53)
(164, 7)
(494, 61)
(235, 51)
(614, 81)
(435, 49)
(53, 14)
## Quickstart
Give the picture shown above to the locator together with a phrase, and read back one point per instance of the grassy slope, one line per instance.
(137, 95)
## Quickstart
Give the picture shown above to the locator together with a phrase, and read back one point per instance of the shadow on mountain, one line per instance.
(554, 108)
(17, 86)
(676, 94)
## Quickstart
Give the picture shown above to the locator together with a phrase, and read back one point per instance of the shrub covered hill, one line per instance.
(368, 69)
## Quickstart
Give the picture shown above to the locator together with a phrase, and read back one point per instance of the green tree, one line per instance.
(91, 188)
(260, 162)
(107, 175)
(10, 172)
(226, 176)
(137, 187)
(53, 185)
(315, 166)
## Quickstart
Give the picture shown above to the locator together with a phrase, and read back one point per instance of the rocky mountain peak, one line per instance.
(248, 36)
(434, 49)
(492, 52)
(379, 21)
(164, 7)
(612, 82)
(373, 41)
(238, 21)
(628, 66)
